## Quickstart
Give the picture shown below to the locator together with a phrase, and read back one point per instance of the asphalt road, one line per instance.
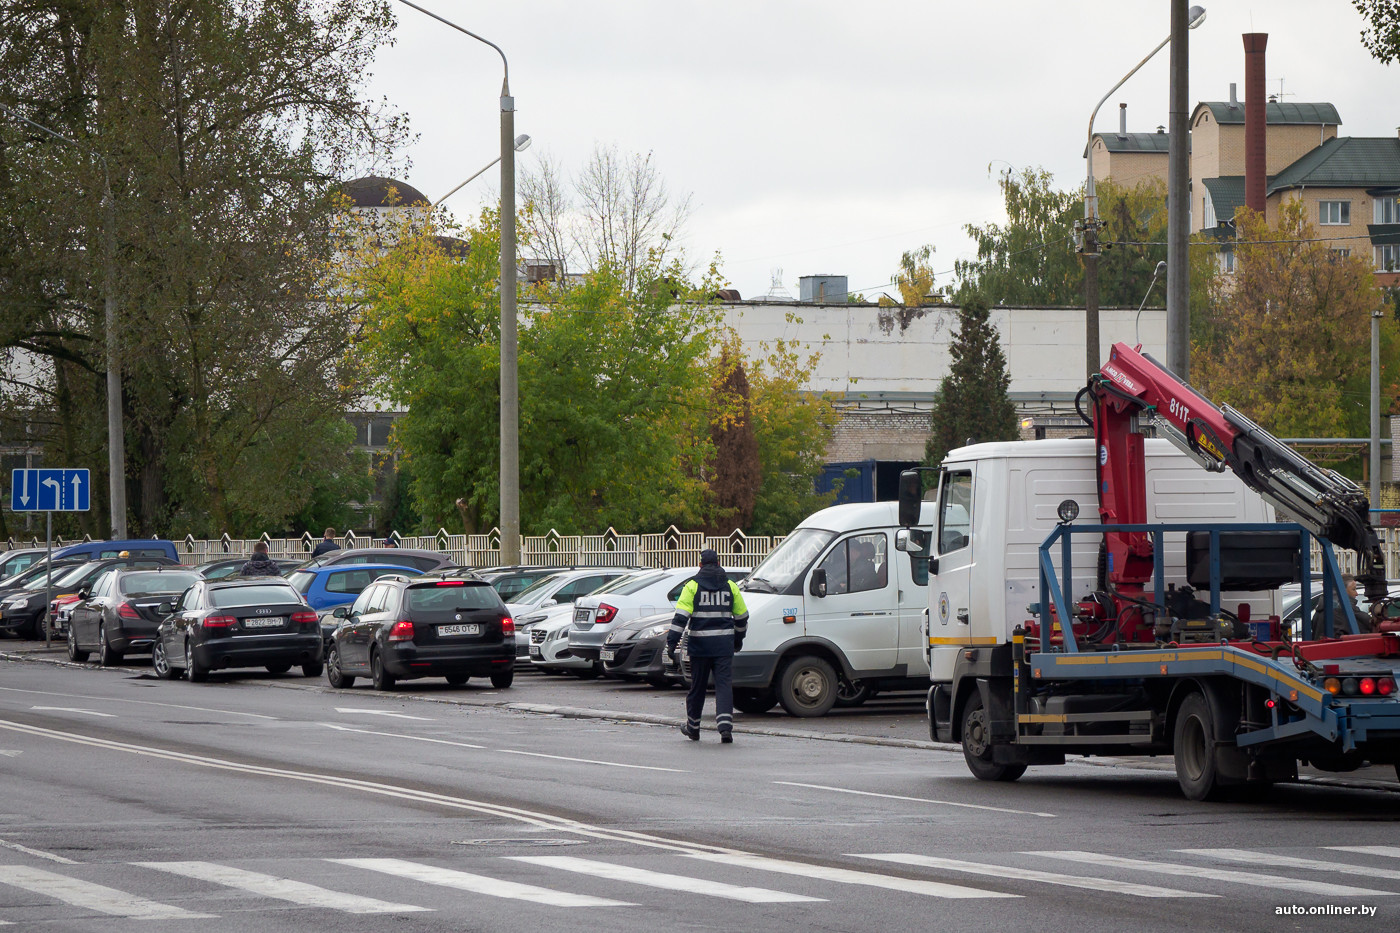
(271, 802)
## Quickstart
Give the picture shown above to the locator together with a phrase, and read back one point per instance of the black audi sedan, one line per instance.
(243, 622)
(437, 625)
(119, 612)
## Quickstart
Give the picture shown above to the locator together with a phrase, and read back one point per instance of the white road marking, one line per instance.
(74, 709)
(589, 761)
(1211, 873)
(847, 876)
(91, 896)
(37, 853)
(1387, 851)
(1287, 861)
(395, 735)
(477, 884)
(282, 889)
(381, 712)
(179, 706)
(941, 803)
(658, 879)
(1045, 877)
(10, 752)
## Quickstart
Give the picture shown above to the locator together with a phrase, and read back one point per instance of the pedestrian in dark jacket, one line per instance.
(327, 544)
(713, 610)
(260, 565)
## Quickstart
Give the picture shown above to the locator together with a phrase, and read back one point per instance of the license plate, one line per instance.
(581, 615)
(535, 651)
(607, 654)
(472, 629)
(269, 622)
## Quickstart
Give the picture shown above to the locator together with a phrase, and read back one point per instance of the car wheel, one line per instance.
(161, 662)
(383, 680)
(107, 656)
(75, 654)
(502, 679)
(807, 687)
(977, 749)
(334, 675)
(755, 701)
(196, 672)
(281, 667)
(313, 668)
(851, 693)
(458, 680)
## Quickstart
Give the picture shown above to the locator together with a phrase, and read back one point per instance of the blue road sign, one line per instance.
(50, 490)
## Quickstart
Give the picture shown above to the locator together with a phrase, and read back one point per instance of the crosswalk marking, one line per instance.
(1288, 861)
(91, 896)
(658, 879)
(1387, 851)
(477, 884)
(282, 889)
(1217, 874)
(847, 875)
(1022, 874)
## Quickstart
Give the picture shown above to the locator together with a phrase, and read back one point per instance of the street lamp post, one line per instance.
(510, 402)
(522, 142)
(1088, 231)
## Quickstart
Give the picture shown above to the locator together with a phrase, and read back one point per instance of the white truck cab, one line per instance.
(835, 614)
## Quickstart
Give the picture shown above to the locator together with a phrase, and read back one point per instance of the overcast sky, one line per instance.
(827, 137)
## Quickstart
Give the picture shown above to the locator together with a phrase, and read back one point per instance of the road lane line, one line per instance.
(282, 889)
(941, 803)
(1387, 851)
(589, 761)
(91, 896)
(848, 876)
(74, 709)
(179, 706)
(1211, 873)
(1023, 874)
(1287, 861)
(477, 884)
(395, 735)
(657, 879)
(37, 853)
(381, 712)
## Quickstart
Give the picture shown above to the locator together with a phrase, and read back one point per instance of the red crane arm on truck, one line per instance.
(1131, 387)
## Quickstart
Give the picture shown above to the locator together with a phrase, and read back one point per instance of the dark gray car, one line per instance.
(120, 613)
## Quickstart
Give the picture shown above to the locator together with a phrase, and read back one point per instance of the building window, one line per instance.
(1334, 213)
(1226, 259)
(1341, 252)
(1387, 210)
(1388, 257)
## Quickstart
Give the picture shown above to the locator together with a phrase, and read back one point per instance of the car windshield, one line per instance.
(789, 560)
(537, 592)
(447, 596)
(230, 597)
(37, 572)
(626, 586)
(157, 583)
(70, 575)
(302, 580)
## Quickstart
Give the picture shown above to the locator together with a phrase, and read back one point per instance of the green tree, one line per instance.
(972, 404)
(1382, 34)
(1029, 260)
(914, 279)
(735, 476)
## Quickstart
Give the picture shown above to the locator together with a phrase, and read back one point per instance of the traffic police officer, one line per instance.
(714, 611)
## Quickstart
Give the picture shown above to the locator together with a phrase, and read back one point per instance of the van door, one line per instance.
(913, 600)
(951, 587)
(859, 613)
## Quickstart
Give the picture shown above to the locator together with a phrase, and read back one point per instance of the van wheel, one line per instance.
(807, 687)
(1193, 748)
(755, 701)
(977, 748)
(851, 693)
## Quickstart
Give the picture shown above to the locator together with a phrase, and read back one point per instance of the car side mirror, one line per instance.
(549, 602)
(83, 593)
(341, 612)
(164, 608)
(818, 584)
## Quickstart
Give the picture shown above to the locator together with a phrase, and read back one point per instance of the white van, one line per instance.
(835, 614)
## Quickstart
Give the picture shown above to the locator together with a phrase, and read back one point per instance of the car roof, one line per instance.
(347, 568)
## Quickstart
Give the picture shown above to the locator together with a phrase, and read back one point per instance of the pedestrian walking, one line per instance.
(260, 565)
(327, 544)
(712, 610)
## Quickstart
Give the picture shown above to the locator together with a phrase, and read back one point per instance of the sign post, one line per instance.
(50, 490)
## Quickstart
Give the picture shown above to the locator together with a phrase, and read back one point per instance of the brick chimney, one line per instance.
(1255, 110)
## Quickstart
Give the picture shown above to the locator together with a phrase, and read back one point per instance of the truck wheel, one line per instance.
(807, 687)
(852, 692)
(1193, 748)
(977, 748)
(754, 701)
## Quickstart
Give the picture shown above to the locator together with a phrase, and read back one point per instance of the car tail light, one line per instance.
(507, 626)
(220, 621)
(1385, 686)
(128, 611)
(1368, 686)
(605, 614)
(402, 631)
(304, 617)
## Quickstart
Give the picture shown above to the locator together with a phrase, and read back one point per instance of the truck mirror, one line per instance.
(818, 586)
(911, 497)
(912, 541)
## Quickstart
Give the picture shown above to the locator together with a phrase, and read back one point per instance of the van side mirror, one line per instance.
(818, 585)
(911, 497)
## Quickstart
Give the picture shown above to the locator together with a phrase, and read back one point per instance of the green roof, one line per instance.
(1285, 113)
(1344, 162)
(1226, 194)
(1135, 142)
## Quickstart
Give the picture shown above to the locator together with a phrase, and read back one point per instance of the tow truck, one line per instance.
(1141, 639)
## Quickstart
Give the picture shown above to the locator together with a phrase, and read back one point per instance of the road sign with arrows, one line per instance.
(50, 490)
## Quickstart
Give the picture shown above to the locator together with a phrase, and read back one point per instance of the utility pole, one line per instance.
(1179, 199)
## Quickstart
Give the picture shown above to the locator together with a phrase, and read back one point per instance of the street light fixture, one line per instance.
(510, 402)
(522, 142)
(1086, 234)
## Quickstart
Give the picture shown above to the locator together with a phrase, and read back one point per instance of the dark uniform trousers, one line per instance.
(700, 671)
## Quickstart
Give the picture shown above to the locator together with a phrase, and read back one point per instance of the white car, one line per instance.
(549, 645)
(557, 589)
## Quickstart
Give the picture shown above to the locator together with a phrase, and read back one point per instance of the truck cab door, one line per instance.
(858, 612)
(950, 574)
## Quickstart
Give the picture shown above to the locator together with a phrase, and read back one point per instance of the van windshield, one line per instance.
(788, 561)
